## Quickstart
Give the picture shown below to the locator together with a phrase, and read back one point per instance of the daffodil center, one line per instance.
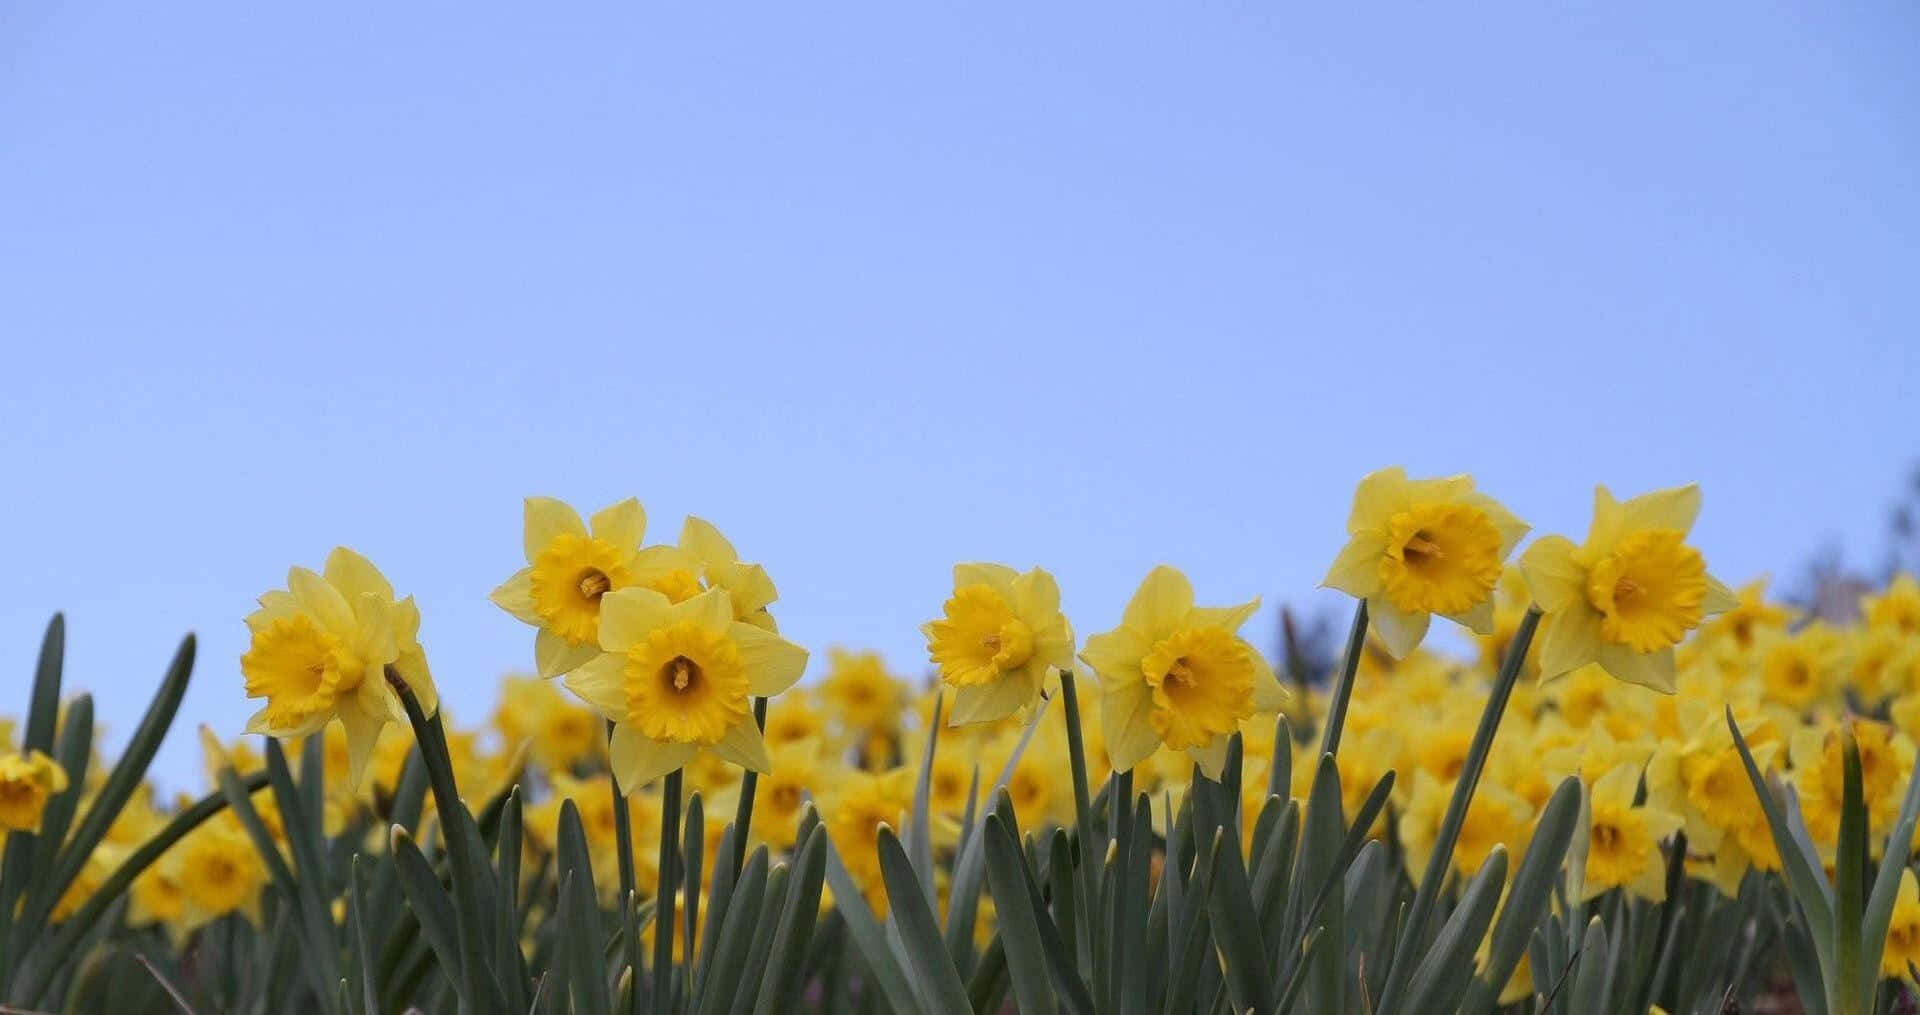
(569, 578)
(1441, 558)
(1202, 684)
(301, 669)
(979, 637)
(1649, 591)
(685, 684)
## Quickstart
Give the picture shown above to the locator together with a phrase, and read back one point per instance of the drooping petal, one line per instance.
(355, 575)
(628, 615)
(1571, 640)
(1211, 758)
(545, 518)
(743, 745)
(1161, 604)
(1479, 620)
(637, 761)
(1719, 598)
(1558, 583)
(1648, 669)
(1356, 571)
(554, 655)
(1399, 630)
(1269, 695)
(773, 663)
(601, 683)
(363, 732)
(623, 524)
(995, 700)
(1126, 721)
(515, 595)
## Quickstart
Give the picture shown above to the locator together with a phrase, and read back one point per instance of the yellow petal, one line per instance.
(1212, 758)
(324, 601)
(1609, 522)
(1673, 508)
(1719, 598)
(623, 524)
(1378, 496)
(546, 518)
(1399, 631)
(363, 732)
(1572, 640)
(1226, 618)
(628, 615)
(773, 663)
(997, 577)
(712, 610)
(1161, 604)
(355, 575)
(1269, 695)
(744, 746)
(637, 761)
(994, 700)
(554, 655)
(601, 683)
(1617, 786)
(515, 595)
(1036, 597)
(699, 537)
(1479, 620)
(1648, 669)
(1557, 583)
(1115, 655)
(1356, 571)
(1126, 721)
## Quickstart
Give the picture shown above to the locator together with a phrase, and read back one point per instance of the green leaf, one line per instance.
(1587, 994)
(580, 933)
(1019, 924)
(74, 753)
(1850, 865)
(1809, 885)
(926, 952)
(1443, 974)
(723, 970)
(781, 983)
(1530, 895)
(869, 938)
(429, 904)
(1886, 881)
(362, 946)
(1236, 929)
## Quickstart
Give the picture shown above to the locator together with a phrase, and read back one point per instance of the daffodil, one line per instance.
(1178, 675)
(1630, 593)
(1623, 841)
(853, 814)
(1901, 953)
(860, 691)
(27, 782)
(1897, 608)
(219, 873)
(571, 566)
(1419, 547)
(319, 651)
(999, 636)
(678, 678)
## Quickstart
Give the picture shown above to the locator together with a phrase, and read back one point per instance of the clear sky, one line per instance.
(878, 288)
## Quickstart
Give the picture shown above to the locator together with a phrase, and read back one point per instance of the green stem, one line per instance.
(743, 814)
(622, 833)
(1442, 857)
(664, 915)
(1083, 812)
(1343, 686)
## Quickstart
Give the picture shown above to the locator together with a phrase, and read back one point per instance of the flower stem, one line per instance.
(1343, 685)
(749, 780)
(1438, 863)
(622, 833)
(664, 915)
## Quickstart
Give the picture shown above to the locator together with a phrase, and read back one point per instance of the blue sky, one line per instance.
(876, 288)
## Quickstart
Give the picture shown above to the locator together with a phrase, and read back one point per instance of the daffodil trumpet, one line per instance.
(1441, 859)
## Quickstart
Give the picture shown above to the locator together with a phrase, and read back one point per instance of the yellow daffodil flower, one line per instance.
(1623, 841)
(1178, 675)
(1630, 593)
(27, 782)
(997, 639)
(1419, 547)
(319, 651)
(678, 678)
(571, 566)
(1901, 953)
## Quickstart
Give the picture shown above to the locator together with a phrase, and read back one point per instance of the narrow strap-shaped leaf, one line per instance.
(963, 898)
(1236, 930)
(911, 913)
(1886, 881)
(749, 783)
(693, 852)
(362, 941)
(721, 973)
(1809, 886)
(1587, 994)
(1850, 891)
(1295, 984)
(308, 851)
(781, 982)
(867, 936)
(74, 753)
(1019, 924)
(1443, 973)
(430, 905)
(919, 842)
(1529, 896)
(580, 931)
(719, 899)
